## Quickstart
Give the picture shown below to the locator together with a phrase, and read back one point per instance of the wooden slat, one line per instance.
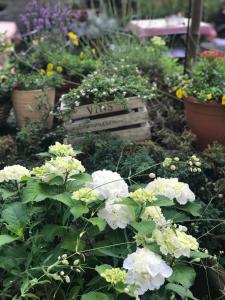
(134, 134)
(101, 124)
(91, 110)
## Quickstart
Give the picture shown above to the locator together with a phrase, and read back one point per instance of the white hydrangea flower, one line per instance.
(146, 269)
(64, 167)
(175, 241)
(116, 215)
(154, 213)
(109, 185)
(13, 173)
(172, 189)
(62, 150)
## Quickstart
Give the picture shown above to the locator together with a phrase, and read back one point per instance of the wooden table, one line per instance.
(167, 26)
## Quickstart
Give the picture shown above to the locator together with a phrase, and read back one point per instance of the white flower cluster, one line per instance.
(13, 173)
(61, 150)
(146, 269)
(154, 213)
(64, 167)
(195, 164)
(175, 241)
(111, 187)
(172, 189)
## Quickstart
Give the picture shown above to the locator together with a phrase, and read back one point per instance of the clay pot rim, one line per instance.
(193, 100)
(31, 91)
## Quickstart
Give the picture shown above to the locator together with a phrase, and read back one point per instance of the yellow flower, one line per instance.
(59, 69)
(184, 82)
(49, 73)
(72, 35)
(76, 41)
(223, 100)
(85, 195)
(94, 51)
(50, 67)
(179, 93)
(209, 97)
(82, 55)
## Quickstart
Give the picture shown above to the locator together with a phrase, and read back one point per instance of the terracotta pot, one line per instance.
(206, 120)
(34, 106)
(5, 108)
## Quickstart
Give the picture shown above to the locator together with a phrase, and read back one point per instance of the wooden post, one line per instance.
(194, 33)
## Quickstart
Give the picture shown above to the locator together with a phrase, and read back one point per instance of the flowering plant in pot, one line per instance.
(93, 236)
(204, 98)
(6, 87)
(34, 97)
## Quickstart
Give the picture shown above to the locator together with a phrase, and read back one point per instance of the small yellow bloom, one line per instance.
(82, 55)
(50, 67)
(179, 93)
(72, 35)
(184, 82)
(76, 41)
(209, 97)
(59, 69)
(94, 52)
(223, 100)
(49, 73)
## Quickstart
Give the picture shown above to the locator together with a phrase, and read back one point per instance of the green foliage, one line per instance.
(6, 82)
(36, 81)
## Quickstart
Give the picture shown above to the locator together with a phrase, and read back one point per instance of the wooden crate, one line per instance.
(128, 122)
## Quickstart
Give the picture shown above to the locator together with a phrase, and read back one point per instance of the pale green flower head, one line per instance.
(85, 195)
(13, 173)
(142, 195)
(114, 275)
(158, 41)
(62, 150)
(167, 162)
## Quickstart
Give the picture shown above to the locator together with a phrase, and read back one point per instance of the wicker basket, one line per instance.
(5, 108)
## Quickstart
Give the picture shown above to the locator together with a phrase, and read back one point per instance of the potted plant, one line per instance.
(34, 97)
(204, 98)
(108, 84)
(6, 84)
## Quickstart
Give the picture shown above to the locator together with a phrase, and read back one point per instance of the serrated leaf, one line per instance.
(16, 217)
(77, 181)
(64, 198)
(161, 201)
(78, 210)
(98, 222)
(5, 193)
(57, 180)
(143, 227)
(183, 275)
(194, 208)
(183, 292)
(6, 239)
(198, 254)
(96, 296)
(101, 269)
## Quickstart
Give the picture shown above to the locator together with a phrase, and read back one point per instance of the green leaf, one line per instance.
(96, 296)
(58, 180)
(5, 193)
(144, 227)
(198, 254)
(98, 222)
(78, 181)
(161, 201)
(101, 269)
(129, 202)
(64, 198)
(78, 210)
(33, 192)
(175, 215)
(183, 275)
(183, 292)
(16, 217)
(6, 239)
(194, 208)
